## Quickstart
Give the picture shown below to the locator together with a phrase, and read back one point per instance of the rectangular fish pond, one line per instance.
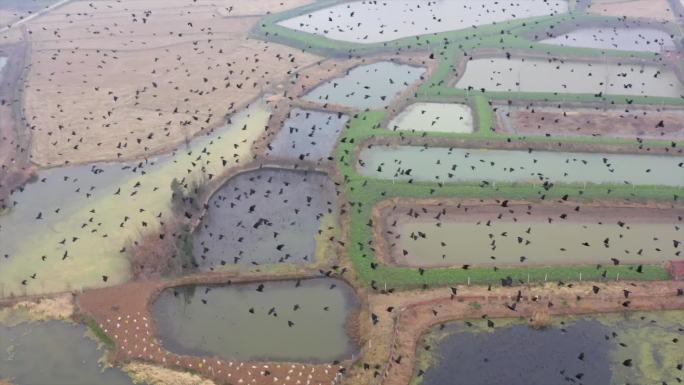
(307, 135)
(434, 117)
(294, 321)
(665, 123)
(381, 21)
(531, 234)
(440, 164)
(53, 353)
(556, 76)
(628, 39)
(370, 86)
(267, 216)
(611, 349)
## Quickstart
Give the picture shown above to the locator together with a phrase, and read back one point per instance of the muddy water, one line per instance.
(90, 213)
(266, 216)
(53, 353)
(498, 237)
(589, 350)
(629, 39)
(373, 22)
(475, 165)
(307, 135)
(217, 320)
(538, 75)
(368, 86)
(435, 117)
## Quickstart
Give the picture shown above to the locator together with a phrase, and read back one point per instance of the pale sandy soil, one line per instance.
(122, 80)
(650, 9)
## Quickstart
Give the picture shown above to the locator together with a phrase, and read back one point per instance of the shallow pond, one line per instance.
(538, 75)
(90, 213)
(589, 350)
(368, 86)
(435, 117)
(628, 39)
(267, 216)
(522, 236)
(53, 353)
(373, 22)
(302, 321)
(440, 164)
(307, 135)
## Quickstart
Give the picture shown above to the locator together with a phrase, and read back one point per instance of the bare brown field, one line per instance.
(649, 9)
(121, 80)
(613, 122)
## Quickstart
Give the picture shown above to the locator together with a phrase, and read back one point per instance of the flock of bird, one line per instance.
(142, 101)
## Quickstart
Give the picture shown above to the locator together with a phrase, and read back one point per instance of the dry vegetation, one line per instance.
(614, 122)
(156, 375)
(121, 80)
(60, 307)
(651, 9)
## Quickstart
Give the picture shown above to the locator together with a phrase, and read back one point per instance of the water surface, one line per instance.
(538, 75)
(628, 39)
(440, 164)
(510, 236)
(381, 21)
(82, 226)
(300, 321)
(266, 216)
(588, 350)
(369, 86)
(307, 135)
(53, 353)
(434, 117)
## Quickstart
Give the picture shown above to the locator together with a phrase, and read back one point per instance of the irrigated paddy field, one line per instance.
(368, 86)
(307, 135)
(374, 22)
(434, 117)
(451, 165)
(627, 39)
(569, 77)
(530, 234)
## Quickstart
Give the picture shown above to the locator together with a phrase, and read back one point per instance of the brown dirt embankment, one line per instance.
(123, 313)
(404, 317)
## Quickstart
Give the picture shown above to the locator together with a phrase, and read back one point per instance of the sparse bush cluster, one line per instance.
(169, 249)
